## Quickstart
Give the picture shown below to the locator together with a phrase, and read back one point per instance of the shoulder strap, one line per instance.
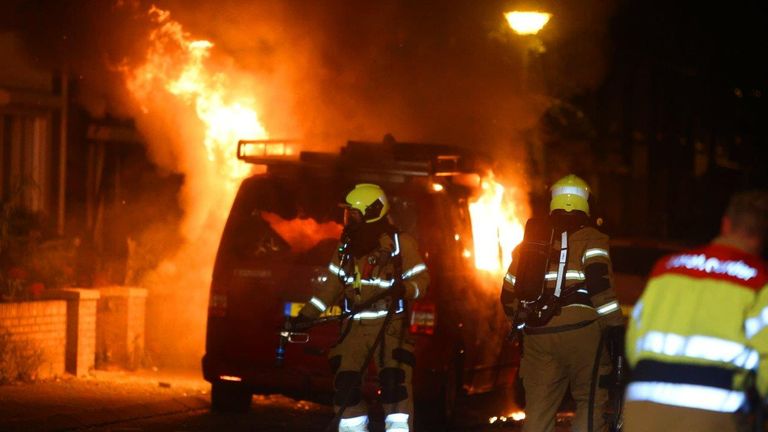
(397, 254)
(563, 263)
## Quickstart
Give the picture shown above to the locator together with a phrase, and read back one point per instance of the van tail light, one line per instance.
(217, 305)
(423, 318)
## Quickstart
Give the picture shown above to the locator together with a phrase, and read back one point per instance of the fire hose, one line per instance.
(754, 409)
(617, 421)
(760, 415)
(593, 386)
(286, 334)
(615, 386)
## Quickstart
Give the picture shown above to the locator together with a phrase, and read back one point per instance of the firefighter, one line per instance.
(700, 329)
(373, 258)
(558, 293)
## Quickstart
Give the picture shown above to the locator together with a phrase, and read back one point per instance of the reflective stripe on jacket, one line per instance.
(340, 283)
(697, 330)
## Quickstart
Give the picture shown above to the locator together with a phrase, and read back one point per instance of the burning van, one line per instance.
(281, 233)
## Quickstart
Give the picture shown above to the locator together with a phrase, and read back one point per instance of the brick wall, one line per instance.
(120, 338)
(63, 328)
(137, 306)
(38, 325)
(80, 353)
(85, 357)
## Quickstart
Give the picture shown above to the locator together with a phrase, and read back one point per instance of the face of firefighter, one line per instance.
(352, 216)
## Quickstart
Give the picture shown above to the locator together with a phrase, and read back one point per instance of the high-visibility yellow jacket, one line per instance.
(588, 268)
(698, 329)
(359, 280)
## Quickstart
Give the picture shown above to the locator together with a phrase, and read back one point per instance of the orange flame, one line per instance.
(176, 63)
(201, 108)
(497, 225)
(302, 234)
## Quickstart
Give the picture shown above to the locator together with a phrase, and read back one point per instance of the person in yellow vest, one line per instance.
(700, 329)
(558, 292)
(373, 259)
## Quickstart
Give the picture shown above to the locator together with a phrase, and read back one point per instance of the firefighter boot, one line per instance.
(354, 424)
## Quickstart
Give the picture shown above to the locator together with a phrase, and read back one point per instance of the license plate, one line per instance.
(291, 309)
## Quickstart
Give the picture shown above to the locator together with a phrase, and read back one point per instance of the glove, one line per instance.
(297, 323)
(397, 291)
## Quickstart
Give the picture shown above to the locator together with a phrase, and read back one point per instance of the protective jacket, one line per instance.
(699, 329)
(584, 281)
(356, 280)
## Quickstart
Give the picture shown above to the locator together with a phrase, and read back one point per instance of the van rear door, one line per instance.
(275, 248)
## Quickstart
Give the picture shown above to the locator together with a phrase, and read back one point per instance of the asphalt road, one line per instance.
(268, 414)
(156, 401)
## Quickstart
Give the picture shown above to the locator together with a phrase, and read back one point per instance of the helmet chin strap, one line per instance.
(350, 229)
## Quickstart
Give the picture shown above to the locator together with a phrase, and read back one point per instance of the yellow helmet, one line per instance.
(369, 199)
(570, 193)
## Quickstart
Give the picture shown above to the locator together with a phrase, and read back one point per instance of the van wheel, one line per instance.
(230, 397)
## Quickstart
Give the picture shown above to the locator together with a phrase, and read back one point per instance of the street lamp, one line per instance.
(527, 23)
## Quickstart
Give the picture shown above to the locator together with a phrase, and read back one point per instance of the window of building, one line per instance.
(25, 148)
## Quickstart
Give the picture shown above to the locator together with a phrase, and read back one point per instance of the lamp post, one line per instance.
(528, 24)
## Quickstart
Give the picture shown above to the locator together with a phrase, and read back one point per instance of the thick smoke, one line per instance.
(448, 72)
(328, 71)
(323, 72)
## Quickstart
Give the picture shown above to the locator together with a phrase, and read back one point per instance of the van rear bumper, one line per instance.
(261, 378)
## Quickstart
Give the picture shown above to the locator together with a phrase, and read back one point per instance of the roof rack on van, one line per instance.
(266, 151)
(391, 157)
(416, 159)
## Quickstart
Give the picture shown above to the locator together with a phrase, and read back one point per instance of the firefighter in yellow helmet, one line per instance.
(558, 293)
(700, 330)
(373, 258)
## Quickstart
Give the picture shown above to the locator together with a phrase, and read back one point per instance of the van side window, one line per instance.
(279, 219)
